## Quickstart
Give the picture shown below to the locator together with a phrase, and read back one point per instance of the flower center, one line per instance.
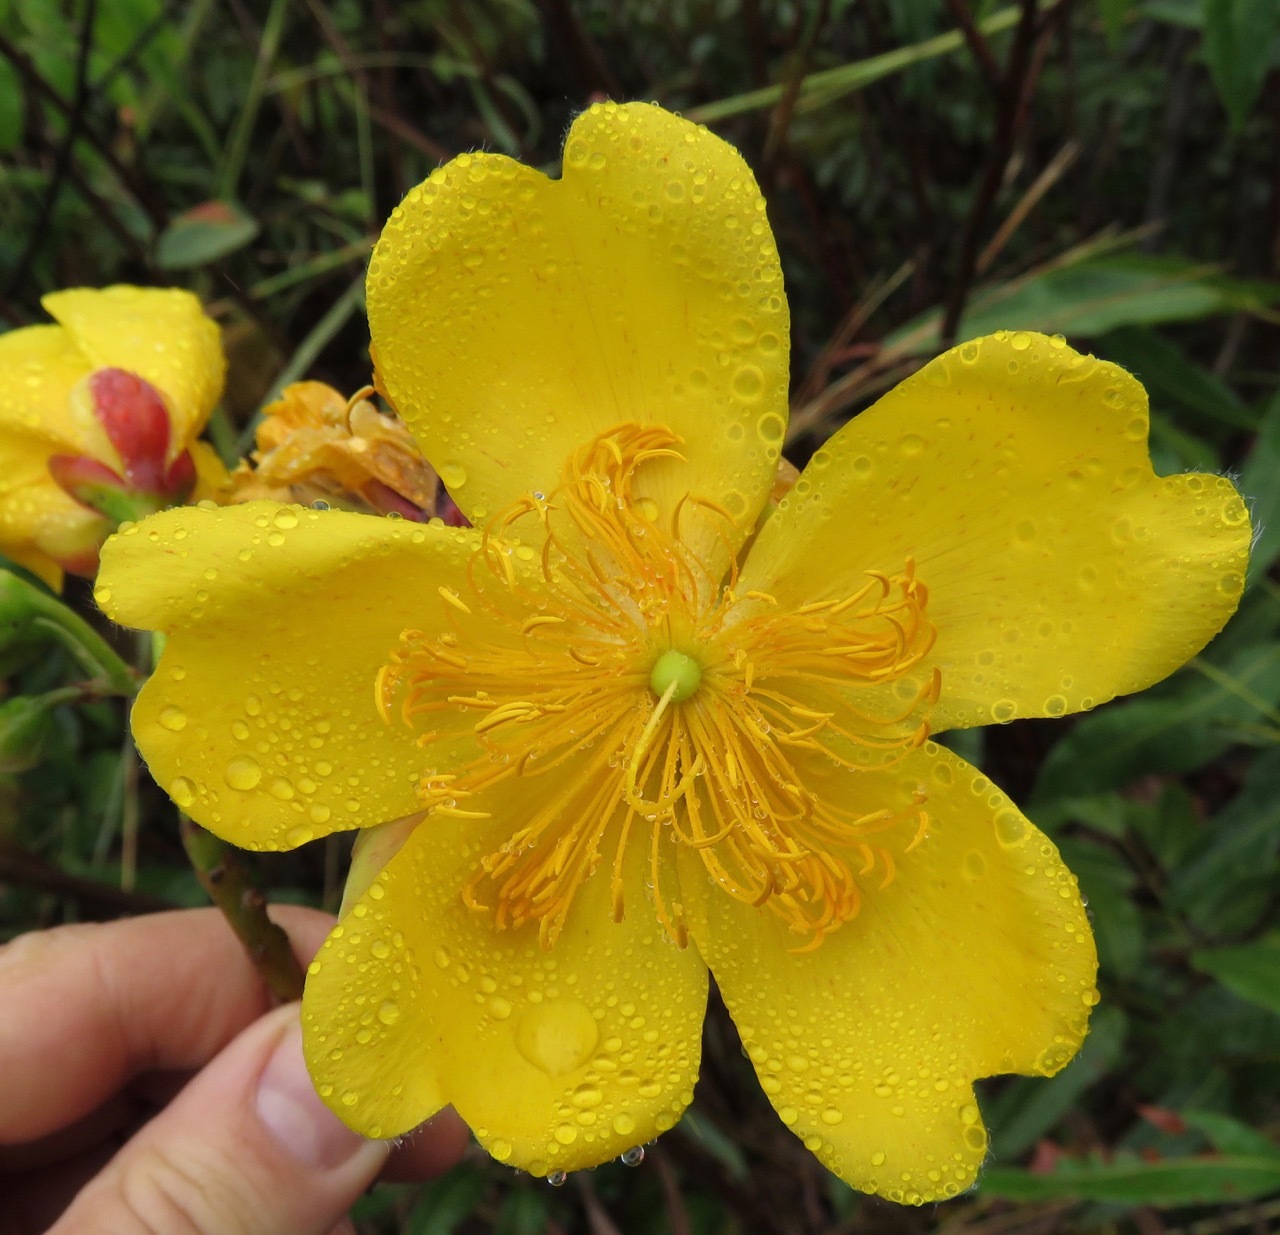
(675, 676)
(603, 692)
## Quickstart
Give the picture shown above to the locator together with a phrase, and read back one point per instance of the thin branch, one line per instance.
(978, 44)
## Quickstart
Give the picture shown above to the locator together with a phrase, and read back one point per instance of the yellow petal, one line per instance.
(39, 367)
(37, 562)
(516, 317)
(161, 334)
(212, 477)
(260, 719)
(40, 525)
(557, 1059)
(976, 959)
(1014, 471)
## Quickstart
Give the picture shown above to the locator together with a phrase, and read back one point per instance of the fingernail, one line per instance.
(291, 1111)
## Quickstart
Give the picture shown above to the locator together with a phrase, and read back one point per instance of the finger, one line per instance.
(88, 1007)
(428, 1151)
(246, 1149)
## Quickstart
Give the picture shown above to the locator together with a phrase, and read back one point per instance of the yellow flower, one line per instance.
(98, 416)
(315, 445)
(630, 736)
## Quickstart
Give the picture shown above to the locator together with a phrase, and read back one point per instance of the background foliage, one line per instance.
(1109, 170)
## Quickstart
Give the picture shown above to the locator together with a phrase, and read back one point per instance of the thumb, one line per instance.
(247, 1148)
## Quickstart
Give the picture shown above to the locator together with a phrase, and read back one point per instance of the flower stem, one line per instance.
(245, 909)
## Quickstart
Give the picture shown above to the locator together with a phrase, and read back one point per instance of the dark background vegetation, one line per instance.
(1104, 169)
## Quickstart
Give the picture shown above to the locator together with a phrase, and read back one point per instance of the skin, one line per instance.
(150, 1086)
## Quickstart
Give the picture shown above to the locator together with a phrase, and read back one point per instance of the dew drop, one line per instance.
(243, 773)
(454, 475)
(624, 1124)
(183, 792)
(633, 1156)
(500, 1151)
(389, 1013)
(1011, 828)
(557, 1036)
(748, 386)
(566, 1134)
(557, 1178)
(173, 718)
(285, 519)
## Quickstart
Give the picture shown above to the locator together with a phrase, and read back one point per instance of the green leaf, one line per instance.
(1028, 1108)
(1114, 15)
(1230, 1136)
(1251, 971)
(524, 1212)
(1177, 731)
(1258, 484)
(1117, 925)
(1228, 879)
(713, 1141)
(446, 1201)
(1090, 298)
(203, 234)
(10, 107)
(1174, 380)
(25, 726)
(1177, 1181)
(29, 614)
(1238, 47)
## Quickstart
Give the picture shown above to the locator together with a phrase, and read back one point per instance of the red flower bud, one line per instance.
(133, 413)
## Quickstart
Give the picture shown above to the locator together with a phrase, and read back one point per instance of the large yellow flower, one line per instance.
(98, 416)
(632, 733)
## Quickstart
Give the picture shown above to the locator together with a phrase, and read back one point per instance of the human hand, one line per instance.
(145, 1086)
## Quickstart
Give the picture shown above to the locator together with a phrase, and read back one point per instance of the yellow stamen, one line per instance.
(642, 706)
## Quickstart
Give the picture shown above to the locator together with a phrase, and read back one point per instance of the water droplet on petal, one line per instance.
(172, 718)
(557, 1036)
(243, 773)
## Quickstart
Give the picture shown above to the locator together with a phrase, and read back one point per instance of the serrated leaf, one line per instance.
(203, 234)
(1238, 46)
(1251, 970)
